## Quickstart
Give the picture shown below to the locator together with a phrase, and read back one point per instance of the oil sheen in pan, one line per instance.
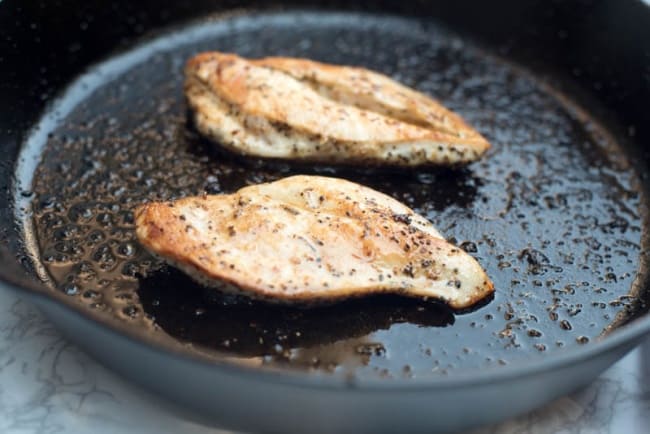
(550, 213)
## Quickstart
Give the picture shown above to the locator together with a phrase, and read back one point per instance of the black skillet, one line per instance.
(556, 212)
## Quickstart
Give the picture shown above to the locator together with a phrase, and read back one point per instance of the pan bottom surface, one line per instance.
(553, 212)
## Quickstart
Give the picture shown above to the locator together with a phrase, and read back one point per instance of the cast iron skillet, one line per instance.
(556, 212)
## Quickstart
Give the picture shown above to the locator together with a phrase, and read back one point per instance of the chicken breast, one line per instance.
(298, 109)
(308, 240)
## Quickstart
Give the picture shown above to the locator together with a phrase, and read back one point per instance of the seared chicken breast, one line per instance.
(298, 109)
(308, 240)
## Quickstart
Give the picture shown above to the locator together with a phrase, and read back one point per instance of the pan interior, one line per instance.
(552, 213)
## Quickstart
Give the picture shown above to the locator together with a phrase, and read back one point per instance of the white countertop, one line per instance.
(48, 386)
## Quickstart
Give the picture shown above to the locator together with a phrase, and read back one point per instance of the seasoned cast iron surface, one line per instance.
(552, 212)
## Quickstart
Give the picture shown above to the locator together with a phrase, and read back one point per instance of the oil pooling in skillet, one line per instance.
(552, 219)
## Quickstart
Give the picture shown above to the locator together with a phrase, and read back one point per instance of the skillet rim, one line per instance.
(619, 337)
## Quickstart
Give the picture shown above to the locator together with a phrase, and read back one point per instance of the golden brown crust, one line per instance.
(294, 108)
(309, 239)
